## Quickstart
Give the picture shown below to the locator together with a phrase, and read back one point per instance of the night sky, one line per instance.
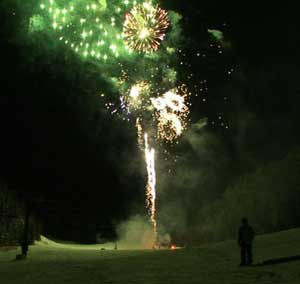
(80, 167)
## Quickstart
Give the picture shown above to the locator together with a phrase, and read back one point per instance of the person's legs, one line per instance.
(249, 254)
(243, 255)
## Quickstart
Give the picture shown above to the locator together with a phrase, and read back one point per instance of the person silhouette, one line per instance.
(245, 240)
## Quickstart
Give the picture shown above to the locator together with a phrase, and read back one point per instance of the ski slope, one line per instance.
(50, 262)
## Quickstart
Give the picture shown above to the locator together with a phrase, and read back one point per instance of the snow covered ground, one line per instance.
(52, 263)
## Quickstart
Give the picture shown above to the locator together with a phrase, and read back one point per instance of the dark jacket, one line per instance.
(246, 235)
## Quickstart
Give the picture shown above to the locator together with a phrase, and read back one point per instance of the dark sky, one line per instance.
(59, 146)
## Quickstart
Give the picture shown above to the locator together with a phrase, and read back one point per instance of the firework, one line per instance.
(139, 129)
(171, 113)
(150, 188)
(143, 142)
(138, 95)
(96, 29)
(144, 27)
(88, 27)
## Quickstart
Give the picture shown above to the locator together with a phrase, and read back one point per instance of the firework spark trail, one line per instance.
(139, 132)
(151, 174)
(150, 188)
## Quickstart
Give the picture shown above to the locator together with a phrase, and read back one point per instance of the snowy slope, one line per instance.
(52, 263)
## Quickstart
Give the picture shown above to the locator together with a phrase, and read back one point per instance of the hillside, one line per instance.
(49, 262)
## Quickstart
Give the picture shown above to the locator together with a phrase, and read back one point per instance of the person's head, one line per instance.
(244, 221)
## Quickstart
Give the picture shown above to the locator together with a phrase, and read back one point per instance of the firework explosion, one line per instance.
(96, 30)
(169, 110)
(145, 27)
(93, 30)
(171, 113)
(89, 27)
(138, 95)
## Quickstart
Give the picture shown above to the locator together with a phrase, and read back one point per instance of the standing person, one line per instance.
(245, 240)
